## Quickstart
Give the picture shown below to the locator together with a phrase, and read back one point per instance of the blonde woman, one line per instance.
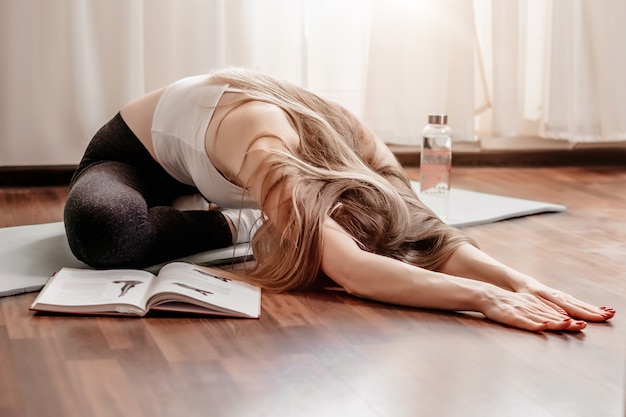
(316, 191)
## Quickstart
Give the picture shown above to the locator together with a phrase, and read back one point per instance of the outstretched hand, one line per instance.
(567, 304)
(537, 307)
(529, 312)
(519, 300)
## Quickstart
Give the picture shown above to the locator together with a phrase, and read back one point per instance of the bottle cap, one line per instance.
(437, 119)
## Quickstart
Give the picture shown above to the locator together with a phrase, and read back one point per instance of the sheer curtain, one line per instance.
(69, 65)
(420, 62)
(552, 69)
(500, 68)
(66, 67)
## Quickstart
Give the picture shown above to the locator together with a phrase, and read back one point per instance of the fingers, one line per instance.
(595, 314)
(573, 307)
(607, 313)
(537, 324)
(533, 313)
(545, 310)
(555, 320)
(567, 325)
(556, 325)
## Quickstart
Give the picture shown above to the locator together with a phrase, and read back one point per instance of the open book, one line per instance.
(178, 287)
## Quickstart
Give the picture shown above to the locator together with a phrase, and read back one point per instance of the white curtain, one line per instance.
(66, 67)
(552, 69)
(497, 67)
(69, 65)
(420, 62)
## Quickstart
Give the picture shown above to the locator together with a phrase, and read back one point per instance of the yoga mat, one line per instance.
(471, 208)
(29, 255)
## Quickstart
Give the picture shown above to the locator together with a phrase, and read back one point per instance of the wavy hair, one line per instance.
(332, 173)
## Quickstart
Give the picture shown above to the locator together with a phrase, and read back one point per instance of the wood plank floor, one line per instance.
(327, 354)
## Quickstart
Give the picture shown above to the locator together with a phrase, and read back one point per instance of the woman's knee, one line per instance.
(105, 230)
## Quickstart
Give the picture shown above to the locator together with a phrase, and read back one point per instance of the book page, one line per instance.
(80, 287)
(217, 292)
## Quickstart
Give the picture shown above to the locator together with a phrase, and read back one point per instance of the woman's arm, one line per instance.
(380, 278)
(470, 262)
(387, 280)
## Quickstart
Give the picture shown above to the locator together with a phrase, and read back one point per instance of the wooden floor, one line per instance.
(327, 354)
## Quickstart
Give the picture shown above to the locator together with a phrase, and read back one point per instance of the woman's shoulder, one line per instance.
(240, 139)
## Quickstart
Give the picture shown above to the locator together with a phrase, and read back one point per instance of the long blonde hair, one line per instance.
(331, 173)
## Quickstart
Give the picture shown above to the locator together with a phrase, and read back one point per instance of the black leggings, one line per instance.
(118, 213)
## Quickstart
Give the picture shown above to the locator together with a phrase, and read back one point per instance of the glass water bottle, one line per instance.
(436, 164)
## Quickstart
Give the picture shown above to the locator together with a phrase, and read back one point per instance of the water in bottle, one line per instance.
(436, 164)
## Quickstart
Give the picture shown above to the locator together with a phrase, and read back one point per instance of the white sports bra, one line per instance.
(179, 126)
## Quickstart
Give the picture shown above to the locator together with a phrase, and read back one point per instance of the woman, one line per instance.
(334, 200)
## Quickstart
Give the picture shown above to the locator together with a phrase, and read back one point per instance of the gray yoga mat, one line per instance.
(471, 208)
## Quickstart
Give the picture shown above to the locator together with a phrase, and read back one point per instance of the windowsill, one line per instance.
(519, 152)
(524, 152)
